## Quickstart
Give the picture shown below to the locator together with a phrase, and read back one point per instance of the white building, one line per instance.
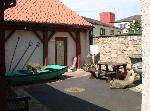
(124, 23)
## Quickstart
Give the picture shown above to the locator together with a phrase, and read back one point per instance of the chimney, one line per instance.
(107, 17)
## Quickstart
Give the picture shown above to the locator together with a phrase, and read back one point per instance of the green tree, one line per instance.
(135, 27)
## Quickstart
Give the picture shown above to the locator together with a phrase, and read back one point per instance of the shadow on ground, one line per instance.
(55, 100)
(60, 78)
(63, 77)
(136, 83)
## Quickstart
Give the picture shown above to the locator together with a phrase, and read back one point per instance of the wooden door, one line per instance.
(61, 51)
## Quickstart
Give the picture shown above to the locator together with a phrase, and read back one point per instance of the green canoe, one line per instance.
(22, 77)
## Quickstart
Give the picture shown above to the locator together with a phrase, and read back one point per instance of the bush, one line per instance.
(87, 66)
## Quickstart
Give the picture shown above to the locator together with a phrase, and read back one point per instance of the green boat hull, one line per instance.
(23, 77)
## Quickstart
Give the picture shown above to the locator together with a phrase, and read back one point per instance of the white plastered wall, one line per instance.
(125, 30)
(71, 48)
(145, 55)
(37, 57)
(84, 46)
(25, 37)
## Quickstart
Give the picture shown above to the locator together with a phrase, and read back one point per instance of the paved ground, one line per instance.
(95, 95)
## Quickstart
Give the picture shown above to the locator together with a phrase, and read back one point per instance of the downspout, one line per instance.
(91, 36)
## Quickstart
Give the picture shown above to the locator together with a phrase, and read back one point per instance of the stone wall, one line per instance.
(145, 4)
(118, 48)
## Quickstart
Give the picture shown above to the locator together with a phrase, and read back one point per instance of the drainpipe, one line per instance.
(91, 37)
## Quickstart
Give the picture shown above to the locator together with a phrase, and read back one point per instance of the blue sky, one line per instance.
(92, 8)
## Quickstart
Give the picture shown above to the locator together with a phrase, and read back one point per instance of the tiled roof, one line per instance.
(44, 11)
(96, 22)
(130, 19)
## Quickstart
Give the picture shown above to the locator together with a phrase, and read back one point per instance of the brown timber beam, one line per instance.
(45, 47)
(51, 35)
(3, 94)
(38, 27)
(73, 37)
(38, 36)
(10, 34)
(78, 49)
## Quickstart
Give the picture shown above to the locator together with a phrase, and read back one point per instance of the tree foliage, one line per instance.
(135, 27)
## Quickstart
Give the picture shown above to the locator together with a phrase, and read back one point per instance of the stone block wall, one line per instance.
(118, 48)
(145, 4)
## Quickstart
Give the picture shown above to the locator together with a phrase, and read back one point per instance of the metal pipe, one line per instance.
(14, 54)
(37, 45)
(29, 45)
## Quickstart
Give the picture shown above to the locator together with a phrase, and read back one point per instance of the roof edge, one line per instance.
(45, 23)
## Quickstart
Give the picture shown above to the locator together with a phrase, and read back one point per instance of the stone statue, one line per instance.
(73, 67)
(116, 84)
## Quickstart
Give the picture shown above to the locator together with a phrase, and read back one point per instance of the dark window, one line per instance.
(102, 31)
(112, 32)
(119, 32)
(123, 26)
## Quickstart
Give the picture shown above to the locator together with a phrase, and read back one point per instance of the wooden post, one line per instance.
(93, 59)
(45, 47)
(3, 95)
(78, 49)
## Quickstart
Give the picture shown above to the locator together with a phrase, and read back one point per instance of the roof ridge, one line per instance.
(130, 18)
(100, 23)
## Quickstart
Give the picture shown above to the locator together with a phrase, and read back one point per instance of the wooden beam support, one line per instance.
(3, 92)
(73, 37)
(78, 50)
(38, 27)
(51, 35)
(45, 47)
(9, 36)
(38, 36)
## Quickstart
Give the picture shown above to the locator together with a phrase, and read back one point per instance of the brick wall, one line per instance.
(118, 48)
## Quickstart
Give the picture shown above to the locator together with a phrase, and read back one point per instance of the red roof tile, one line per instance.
(44, 11)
